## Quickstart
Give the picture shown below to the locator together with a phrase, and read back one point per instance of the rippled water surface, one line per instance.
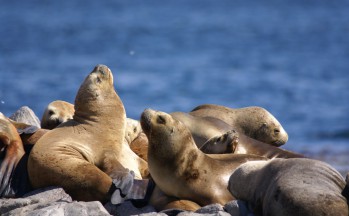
(290, 57)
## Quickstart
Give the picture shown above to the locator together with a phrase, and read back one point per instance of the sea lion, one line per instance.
(80, 154)
(132, 131)
(296, 186)
(11, 152)
(255, 122)
(214, 136)
(57, 112)
(180, 169)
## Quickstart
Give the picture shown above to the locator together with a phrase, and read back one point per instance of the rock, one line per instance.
(46, 195)
(27, 116)
(210, 209)
(237, 208)
(49, 201)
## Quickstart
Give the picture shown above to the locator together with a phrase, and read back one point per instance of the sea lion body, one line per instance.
(208, 131)
(56, 113)
(296, 186)
(80, 154)
(180, 169)
(255, 122)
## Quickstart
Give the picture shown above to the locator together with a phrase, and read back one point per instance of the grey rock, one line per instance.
(62, 208)
(49, 201)
(210, 209)
(237, 208)
(153, 214)
(46, 195)
(218, 213)
(27, 116)
(189, 213)
(127, 208)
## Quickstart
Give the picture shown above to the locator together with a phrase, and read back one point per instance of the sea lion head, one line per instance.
(265, 127)
(56, 113)
(165, 134)
(133, 129)
(96, 94)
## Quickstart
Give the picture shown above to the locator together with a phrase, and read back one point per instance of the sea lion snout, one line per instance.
(102, 72)
(101, 69)
(281, 136)
(146, 120)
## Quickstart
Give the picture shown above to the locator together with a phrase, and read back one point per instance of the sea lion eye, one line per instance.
(99, 80)
(51, 112)
(264, 124)
(161, 120)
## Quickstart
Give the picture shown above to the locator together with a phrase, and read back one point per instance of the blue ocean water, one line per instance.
(290, 57)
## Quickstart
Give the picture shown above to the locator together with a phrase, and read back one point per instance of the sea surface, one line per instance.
(290, 57)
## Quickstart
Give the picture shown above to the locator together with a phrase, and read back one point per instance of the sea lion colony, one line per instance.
(208, 155)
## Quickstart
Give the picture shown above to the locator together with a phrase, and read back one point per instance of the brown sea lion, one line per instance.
(56, 113)
(80, 154)
(180, 169)
(214, 136)
(296, 186)
(255, 122)
(11, 152)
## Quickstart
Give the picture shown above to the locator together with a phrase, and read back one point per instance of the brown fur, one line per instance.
(78, 154)
(214, 136)
(180, 169)
(11, 145)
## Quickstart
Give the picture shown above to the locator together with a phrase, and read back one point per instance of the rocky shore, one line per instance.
(55, 201)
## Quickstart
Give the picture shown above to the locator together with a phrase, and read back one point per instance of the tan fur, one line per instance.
(180, 169)
(212, 136)
(255, 122)
(80, 153)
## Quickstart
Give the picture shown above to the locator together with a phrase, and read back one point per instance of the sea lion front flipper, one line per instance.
(161, 202)
(224, 143)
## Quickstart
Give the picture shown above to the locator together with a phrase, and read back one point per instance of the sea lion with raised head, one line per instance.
(296, 186)
(180, 169)
(255, 122)
(214, 136)
(80, 154)
(56, 113)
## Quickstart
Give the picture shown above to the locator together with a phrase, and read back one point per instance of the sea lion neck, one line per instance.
(97, 102)
(99, 109)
